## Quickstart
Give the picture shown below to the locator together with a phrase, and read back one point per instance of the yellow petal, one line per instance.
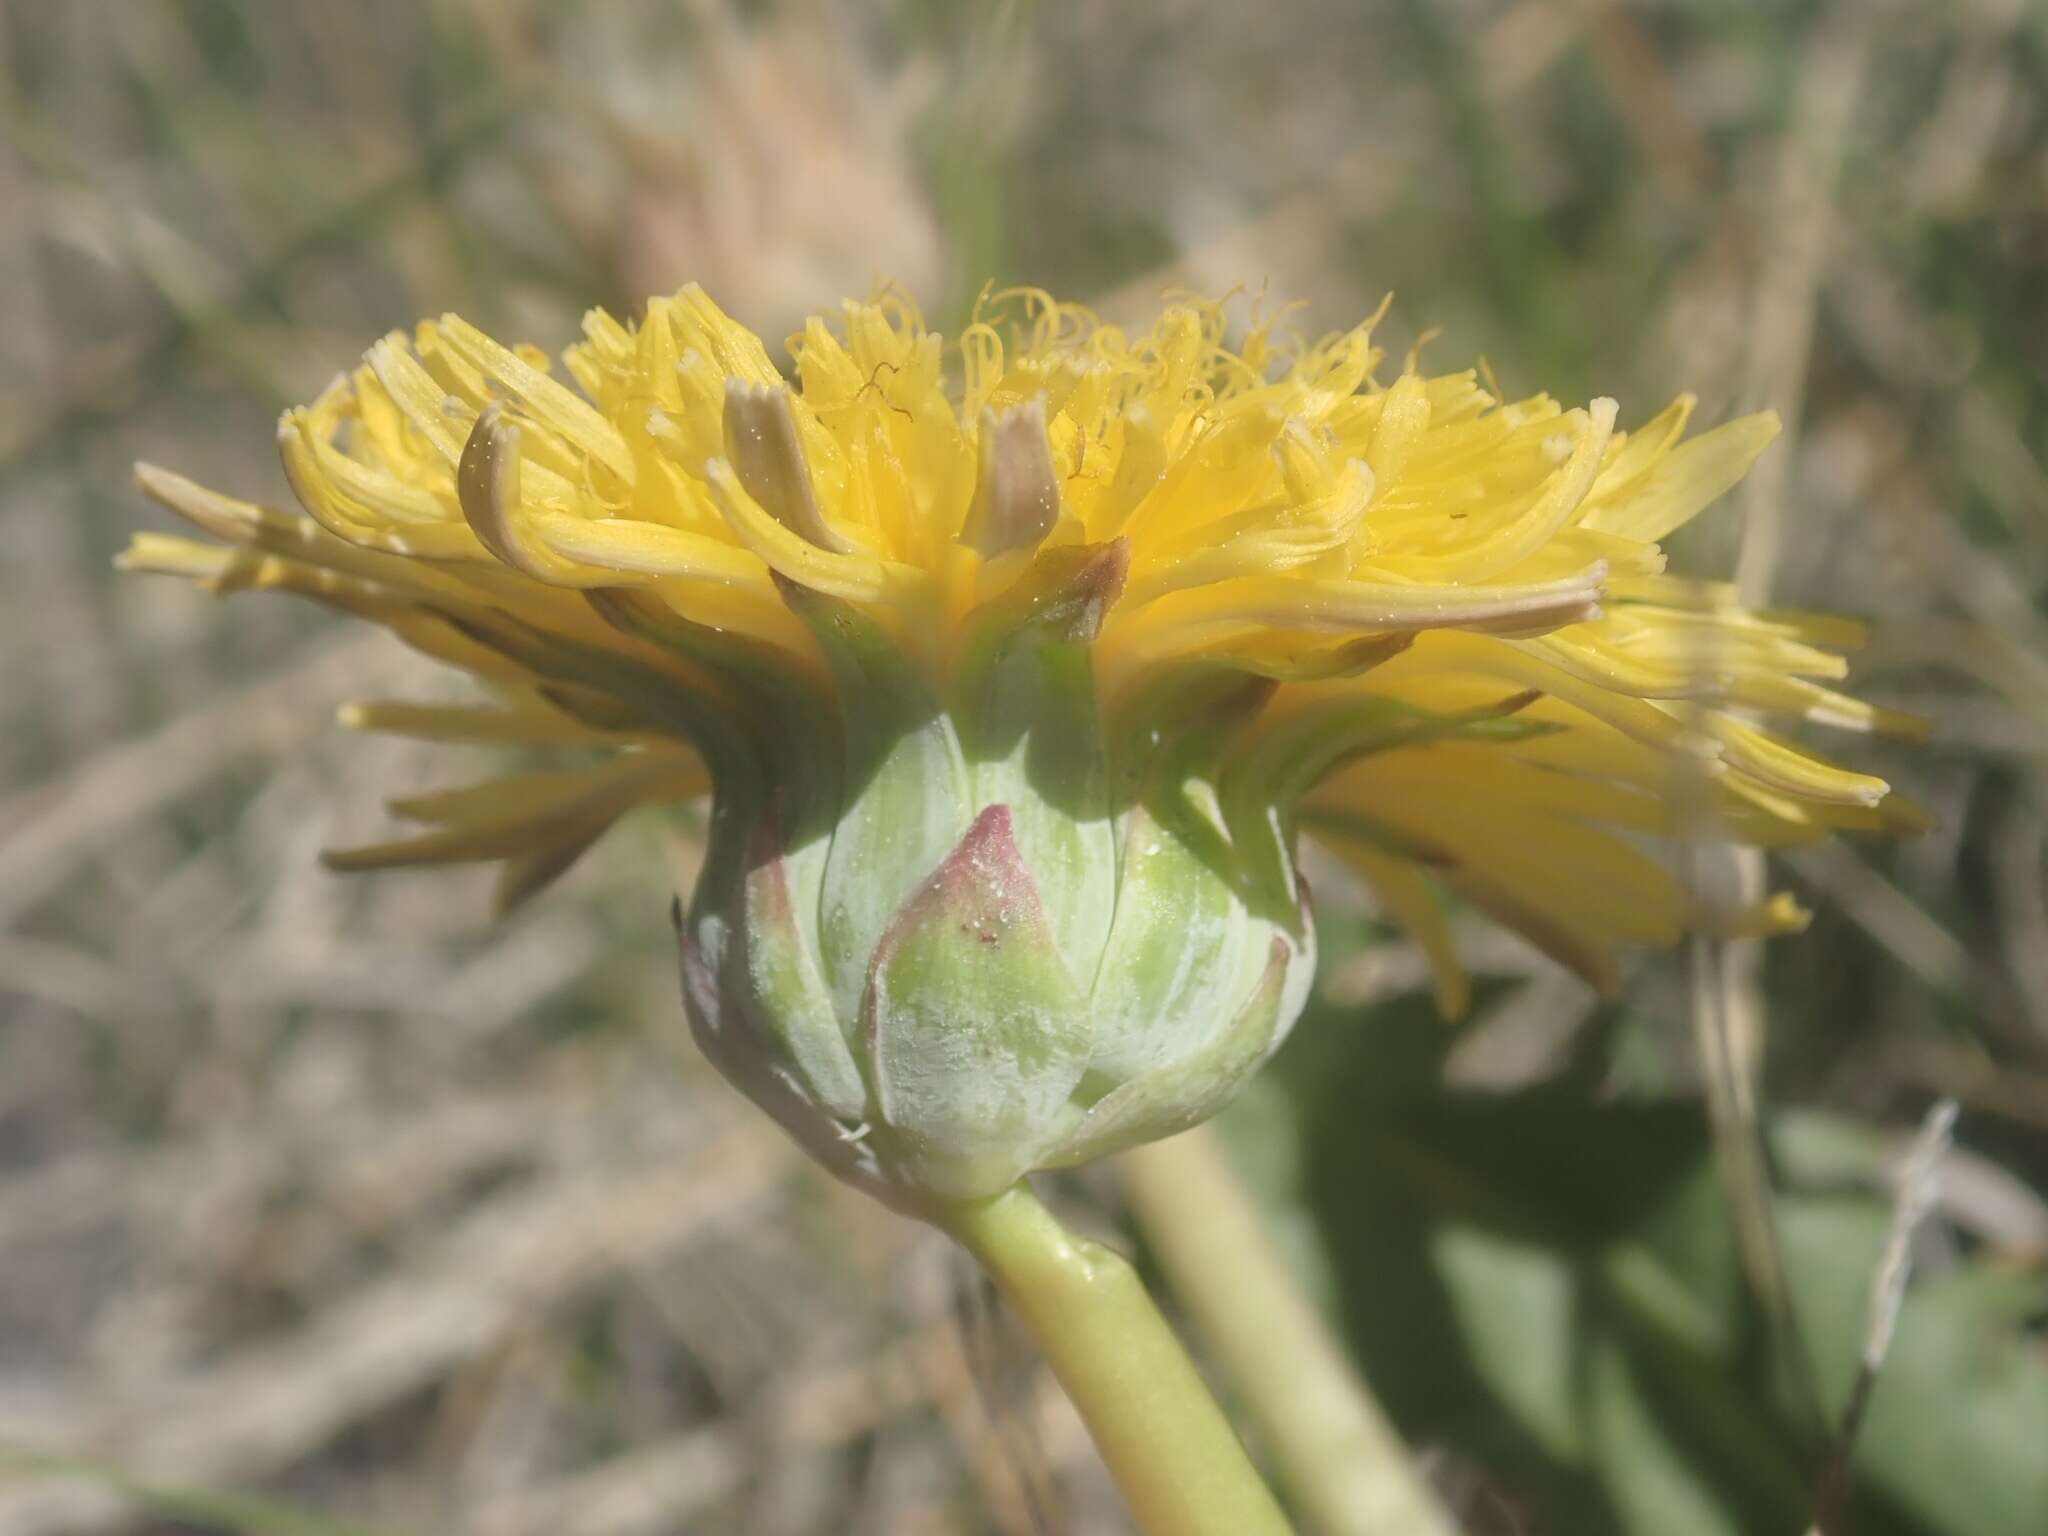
(1687, 480)
(852, 578)
(516, 724)
(550, 404)
(1404, 891)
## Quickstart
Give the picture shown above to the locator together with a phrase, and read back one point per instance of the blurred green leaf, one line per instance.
(1513, 1302)
(1958, 1419)
(1546, 1278)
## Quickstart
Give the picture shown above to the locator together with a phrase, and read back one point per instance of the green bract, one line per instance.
(948, 933)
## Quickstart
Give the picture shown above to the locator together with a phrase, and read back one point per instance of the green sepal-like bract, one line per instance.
(905, 798)
(959, 920)
(976, 1034)
(1024, 694)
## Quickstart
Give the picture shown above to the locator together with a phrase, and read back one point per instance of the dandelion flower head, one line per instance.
(1318, 595)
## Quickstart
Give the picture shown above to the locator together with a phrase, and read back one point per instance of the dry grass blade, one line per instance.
(53, 828)
(1728, 1010)
(255, 1413)
(1919, 1189)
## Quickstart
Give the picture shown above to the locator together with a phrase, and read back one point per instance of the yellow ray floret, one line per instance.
(1470, 673)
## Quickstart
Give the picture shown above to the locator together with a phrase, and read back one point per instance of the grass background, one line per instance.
(325, 1205)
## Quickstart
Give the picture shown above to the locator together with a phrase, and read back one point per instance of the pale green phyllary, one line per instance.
(965, 939)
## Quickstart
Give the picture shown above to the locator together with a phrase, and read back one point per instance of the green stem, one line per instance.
(1166, 1443)
(1338, 1457)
